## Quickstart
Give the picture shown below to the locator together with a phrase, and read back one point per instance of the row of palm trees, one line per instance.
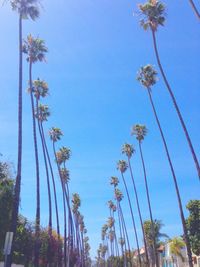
(75, 243)
(153, 16)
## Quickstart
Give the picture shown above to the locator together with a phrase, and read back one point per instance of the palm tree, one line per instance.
(122, 167)
(175, 246)
(153, 13)
(148, 76)
(35, 50)
(122, 226)
(114, 181)
(140, 132)
(26, 9)
(40, 89)
(113, 208)
(196, 11)
(157, 225)
(43, 114)
(129, 150)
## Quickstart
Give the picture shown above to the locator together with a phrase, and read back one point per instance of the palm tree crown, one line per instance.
(55, 134)
(26, 8)
(111, 205)
(76, 201)
(110, 222)
(114, 181)
(40, 88)
(147, 76)
(62, 155)
(128, 149)
(35, 49)
(118, 195)
(139, 131)
(153, 14)
(42, 113)
(122, 166)
(175, 245)
(64, 174)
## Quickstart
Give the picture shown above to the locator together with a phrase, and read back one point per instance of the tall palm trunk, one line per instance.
(149, 205)
(115, 243)
(125, 232)
(139, 211)
(133, 220)
(175, 183)
(47, 173)
(48, 189)
(65, 229)
(195, 9)
(64, 212)
(121, 235)
(71, 230)
(53, 181)
(37, 222)
(17, 190)
(175, 104)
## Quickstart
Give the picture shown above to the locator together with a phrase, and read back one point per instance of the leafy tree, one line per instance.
(24, 242)
(6, 201)
(193, 225)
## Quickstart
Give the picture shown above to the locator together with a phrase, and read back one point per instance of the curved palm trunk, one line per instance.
(37, 226)
(53, 181)
(175, 104)
(47, 174)
(65, 216)
(149, 205)
(175, 183)
(15, 208)
(139, 211)
(133, 220)
(115, 243)
(195, 9)
(124, 230)
(65, 229)
(71, 227)
(48, 189)
(70, 218)
(121, 234)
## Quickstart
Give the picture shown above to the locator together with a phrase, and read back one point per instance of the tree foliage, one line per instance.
(193, 225)
(6, 200)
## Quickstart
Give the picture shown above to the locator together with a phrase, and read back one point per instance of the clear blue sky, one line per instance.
(95, 50)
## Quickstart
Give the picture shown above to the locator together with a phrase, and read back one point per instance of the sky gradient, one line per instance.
(95, 50)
